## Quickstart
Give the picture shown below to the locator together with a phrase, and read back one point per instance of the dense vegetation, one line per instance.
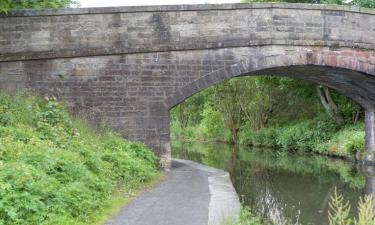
(277, 112)
(55, 170)
(5, 5)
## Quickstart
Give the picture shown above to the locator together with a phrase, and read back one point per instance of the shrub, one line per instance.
(269, 136)
(345, 142)
(54, 170)
(212, 125)
(305, 135)
(264, 137)
(246, 136)
(318, 135)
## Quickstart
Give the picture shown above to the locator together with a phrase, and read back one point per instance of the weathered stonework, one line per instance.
(127, 67)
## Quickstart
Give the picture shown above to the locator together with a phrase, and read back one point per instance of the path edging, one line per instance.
(224, 202)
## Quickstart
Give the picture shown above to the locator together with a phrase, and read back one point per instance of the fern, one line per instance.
(366, 212)
(338, 213)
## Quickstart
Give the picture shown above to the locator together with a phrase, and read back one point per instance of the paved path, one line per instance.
(192, 194)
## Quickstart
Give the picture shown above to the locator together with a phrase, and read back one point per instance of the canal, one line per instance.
(285, 188)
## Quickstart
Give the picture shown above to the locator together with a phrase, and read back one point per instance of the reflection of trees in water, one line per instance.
(281, 194)
(260, 180)
(281, 186)
(260, 190)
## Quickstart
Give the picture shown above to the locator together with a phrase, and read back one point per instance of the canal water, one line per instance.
(283, 187)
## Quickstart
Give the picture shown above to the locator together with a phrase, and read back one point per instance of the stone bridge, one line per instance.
(126, 67)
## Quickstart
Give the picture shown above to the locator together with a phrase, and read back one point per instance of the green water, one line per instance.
(282, 187)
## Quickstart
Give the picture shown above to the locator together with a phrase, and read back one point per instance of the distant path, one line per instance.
(192, 194)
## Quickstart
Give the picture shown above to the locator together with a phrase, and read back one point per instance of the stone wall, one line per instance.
(107, 31)
(127, 67)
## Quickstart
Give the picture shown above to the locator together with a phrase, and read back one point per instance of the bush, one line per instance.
(212, 125)
(54, 170)
(319, 135)
(268, 136)
(247, 136)
(264, 137)
(346, 142)
(305, 136)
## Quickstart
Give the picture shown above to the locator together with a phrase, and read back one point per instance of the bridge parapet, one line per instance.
(43, 34)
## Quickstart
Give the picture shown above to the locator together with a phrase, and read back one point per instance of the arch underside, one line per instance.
(359, 87)
(351, 72)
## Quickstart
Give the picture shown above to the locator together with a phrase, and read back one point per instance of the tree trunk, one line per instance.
(355, 116)
(233, 130)
(329, 104)
(183, 116)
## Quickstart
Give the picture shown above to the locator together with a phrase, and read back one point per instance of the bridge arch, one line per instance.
(127, 66)
(348, 71)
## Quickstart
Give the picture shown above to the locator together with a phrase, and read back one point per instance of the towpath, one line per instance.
(191, 194)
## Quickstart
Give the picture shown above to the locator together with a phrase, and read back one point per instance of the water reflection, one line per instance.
(286, 188)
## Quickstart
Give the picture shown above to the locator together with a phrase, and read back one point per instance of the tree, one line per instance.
(226, 101)
(329, 104)
(189, 111)
(5, 5)
(259, 98)
(364, 3)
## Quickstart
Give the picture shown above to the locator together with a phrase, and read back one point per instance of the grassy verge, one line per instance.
(55, 170)
(318, 135)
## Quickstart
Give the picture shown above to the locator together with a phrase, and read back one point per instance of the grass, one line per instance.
(246, 218)
(56, 170)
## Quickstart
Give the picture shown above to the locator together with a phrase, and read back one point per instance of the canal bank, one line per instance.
(191, 194)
